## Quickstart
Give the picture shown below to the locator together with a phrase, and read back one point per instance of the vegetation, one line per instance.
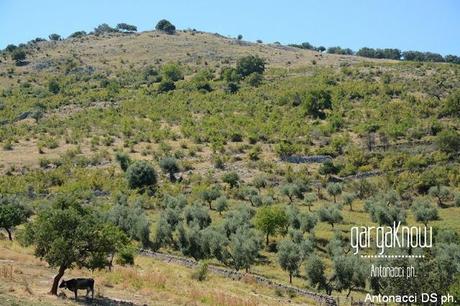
(240, 159)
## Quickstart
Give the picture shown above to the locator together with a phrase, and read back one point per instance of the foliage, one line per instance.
(140, 174)
(289, 257)
(165, 26)
(270, 220)
(250, 64)
(12, 213)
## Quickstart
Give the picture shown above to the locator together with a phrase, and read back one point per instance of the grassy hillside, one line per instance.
(79, 103)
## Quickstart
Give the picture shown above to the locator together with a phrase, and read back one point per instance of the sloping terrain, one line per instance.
(323, 141)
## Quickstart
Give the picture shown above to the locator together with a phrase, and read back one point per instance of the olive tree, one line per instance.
(334, 189)
(289, 257)
(330, 214)
(170, 166)
(424, 211)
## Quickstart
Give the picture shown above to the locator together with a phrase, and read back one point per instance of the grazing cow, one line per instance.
(79, 283)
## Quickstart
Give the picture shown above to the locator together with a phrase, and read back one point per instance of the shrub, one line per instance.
(123, 160)
(19, 56)
(170, 166)
(165, 26)
(165, 86)
(250, 64)
(126, 256)
(141, 174)
(53, 86)
(201, 272)
(448, 141)
(231, 88)
(231, 178)
(254, 79)
(172, 72)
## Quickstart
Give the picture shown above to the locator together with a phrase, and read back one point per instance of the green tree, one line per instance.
(334, 189)
(124, 27)
(172, 72)
(348, 200)
(250, 64)
(221, 204)
(441, 193)
(231, 178)
(140, 174)
(308, 222)
(170, 166)
(69, 235)
(315, 271)
(131, 219)
(424, 211)
(243, 249)
(209, 195)
(349, 273)
(289, 257)
(19, 56)
(270, 220)
(165, 26)
(330, 214)
(54, 37)
(12, 214)
(292, 191)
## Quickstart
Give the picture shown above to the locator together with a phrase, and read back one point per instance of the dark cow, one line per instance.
(75, 284)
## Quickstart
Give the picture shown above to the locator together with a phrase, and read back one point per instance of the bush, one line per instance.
(201, 272)
(123, 160)
(172, 72)
(254, 79)
(231, 178)
(448, 141)
(231, 88)
(126, 256)
(19, 56)
(141, 174)
(166, 86)
(250, 64)
(165, 26)
(170, 166)
(53, 86)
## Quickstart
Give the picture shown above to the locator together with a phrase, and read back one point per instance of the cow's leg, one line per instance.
(92, 293)
(75, 291)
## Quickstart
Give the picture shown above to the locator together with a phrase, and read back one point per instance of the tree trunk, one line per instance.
(267, 240)
(290, 278)
(9, 233)
(56, 280)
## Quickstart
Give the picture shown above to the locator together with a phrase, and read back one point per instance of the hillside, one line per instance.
(322, 142)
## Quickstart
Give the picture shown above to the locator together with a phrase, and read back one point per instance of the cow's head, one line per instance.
(63, 284)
